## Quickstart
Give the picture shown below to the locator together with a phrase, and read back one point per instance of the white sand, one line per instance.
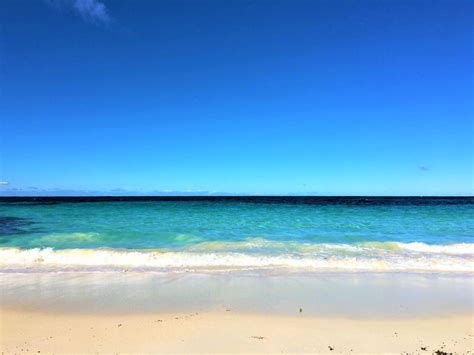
(235, 313)
(226, 331)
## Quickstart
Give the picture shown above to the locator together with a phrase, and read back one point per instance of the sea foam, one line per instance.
(257, 254)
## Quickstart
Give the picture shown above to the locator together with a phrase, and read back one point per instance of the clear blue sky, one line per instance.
(244, 96)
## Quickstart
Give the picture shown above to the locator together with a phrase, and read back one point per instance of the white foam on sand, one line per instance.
(251, 255)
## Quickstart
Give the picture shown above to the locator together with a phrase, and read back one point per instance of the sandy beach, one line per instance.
(236, 313)
(224, 331)
(236, 177)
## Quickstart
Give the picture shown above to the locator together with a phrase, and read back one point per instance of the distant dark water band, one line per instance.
(294, 200)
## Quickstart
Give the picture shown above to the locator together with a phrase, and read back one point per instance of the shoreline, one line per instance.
(234, 256)
(236, 313)
(353, 295)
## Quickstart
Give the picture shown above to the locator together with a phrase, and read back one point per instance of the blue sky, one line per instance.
(253, 97)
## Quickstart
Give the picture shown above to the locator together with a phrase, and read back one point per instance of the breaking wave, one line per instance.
(253, 254)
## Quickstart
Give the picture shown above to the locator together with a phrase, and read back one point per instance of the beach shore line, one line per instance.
(236, 313)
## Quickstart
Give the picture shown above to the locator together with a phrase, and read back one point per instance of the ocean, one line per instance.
(231, 234)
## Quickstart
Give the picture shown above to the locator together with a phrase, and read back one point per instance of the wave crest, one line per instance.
(368, 257)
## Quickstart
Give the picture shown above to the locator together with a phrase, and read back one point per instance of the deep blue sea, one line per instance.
(311, 234)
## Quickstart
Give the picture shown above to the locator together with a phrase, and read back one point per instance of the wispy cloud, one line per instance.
(36, 191)
(3, 183)
(92, 11)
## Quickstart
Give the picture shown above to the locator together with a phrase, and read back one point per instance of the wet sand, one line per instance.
(236, 313)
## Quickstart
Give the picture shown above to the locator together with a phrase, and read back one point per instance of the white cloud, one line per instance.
(93, 11)
(2, 183)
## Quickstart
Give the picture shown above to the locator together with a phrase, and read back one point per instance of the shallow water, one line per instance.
(358, 295)
(236, 234)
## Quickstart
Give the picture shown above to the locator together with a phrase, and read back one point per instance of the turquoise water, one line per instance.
(229, 235)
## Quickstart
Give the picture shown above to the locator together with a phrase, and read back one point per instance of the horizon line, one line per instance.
(231, 196)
